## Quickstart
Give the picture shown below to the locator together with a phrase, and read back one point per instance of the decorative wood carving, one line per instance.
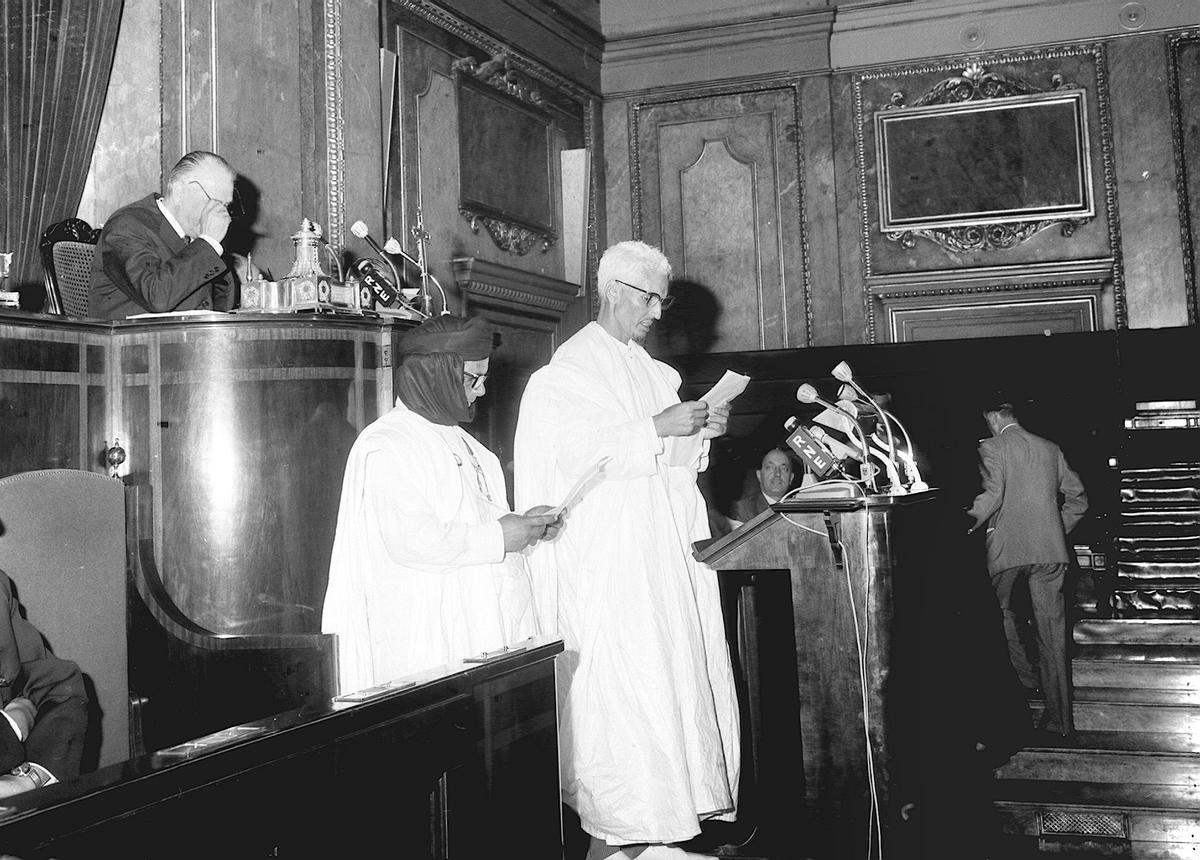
(499, 73)
(1182, 90)
(335, 141)
(515, 288)
(508, 236)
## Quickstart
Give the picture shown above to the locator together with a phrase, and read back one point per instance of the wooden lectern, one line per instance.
(839, 579)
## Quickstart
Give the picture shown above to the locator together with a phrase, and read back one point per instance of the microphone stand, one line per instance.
(915, 485)
(422, 236)
(866, 447)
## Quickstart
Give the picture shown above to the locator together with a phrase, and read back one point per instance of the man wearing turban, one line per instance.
(427, 566)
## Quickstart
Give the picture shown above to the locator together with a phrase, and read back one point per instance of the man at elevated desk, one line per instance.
(163, 253)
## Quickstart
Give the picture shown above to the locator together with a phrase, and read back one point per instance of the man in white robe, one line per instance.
(648, 715)
(427, 566)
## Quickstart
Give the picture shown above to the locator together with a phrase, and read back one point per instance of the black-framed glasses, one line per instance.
(652, 298)
(475, 380)
(233, 207)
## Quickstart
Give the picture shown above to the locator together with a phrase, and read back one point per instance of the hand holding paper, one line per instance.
(589, 479)
(728, 387)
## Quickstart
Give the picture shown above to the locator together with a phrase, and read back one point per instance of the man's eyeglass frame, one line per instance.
(652, 297)
(233, 207)
(476, 379)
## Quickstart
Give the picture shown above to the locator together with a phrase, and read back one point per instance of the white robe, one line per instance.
(648, 715)
(418, 576)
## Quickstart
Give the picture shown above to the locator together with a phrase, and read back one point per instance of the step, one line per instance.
(1174, 655)
(1172, 602)
(1120, 820)
(1103, 765)
(1150, 569)
(1137, 631)
(1117, 716)
(1182, 677)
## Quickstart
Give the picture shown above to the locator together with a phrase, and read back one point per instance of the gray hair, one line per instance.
(193, 163)
(631, 261)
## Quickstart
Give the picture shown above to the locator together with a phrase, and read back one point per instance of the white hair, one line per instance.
(632, 261)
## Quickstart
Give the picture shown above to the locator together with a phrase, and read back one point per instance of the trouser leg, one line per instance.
(1003, 583)
(1049, 616)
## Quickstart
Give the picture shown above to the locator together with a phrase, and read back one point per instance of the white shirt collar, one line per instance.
(1006, 426)
(170, 218)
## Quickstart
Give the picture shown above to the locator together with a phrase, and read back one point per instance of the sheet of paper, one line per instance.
(728, 387)
(585, 482)
(192, 313)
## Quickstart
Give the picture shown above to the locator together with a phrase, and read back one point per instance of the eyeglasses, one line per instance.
(233, 207)
(474, 380)
(652, 298)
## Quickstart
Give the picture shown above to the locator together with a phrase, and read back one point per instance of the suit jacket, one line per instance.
(55, 687)
(1023, 475)
(748, 507)
(142, 265)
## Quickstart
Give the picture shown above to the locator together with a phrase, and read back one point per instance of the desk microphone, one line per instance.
(807, 394)
(391, 246)
(843, 373)
(359, 229)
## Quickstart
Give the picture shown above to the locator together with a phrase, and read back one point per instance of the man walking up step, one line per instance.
(1023, 475)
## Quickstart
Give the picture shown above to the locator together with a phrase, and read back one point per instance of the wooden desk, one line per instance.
(235, 430)
(462, 765)
(823, 609)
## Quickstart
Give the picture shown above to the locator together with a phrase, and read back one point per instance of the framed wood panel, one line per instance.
(717, 183)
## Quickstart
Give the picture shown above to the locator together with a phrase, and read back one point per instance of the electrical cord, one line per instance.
(874, 817)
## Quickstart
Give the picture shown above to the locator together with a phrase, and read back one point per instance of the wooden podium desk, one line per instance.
(822, 601)
(462, 764)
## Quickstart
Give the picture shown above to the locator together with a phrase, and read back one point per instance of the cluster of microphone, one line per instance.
(876, 453)
(390, 294)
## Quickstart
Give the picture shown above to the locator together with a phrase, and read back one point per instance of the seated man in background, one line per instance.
(45, 705)
(163, 253)
(775, 475)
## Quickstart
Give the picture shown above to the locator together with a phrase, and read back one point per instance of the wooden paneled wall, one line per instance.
(834, 278)
(459, 92)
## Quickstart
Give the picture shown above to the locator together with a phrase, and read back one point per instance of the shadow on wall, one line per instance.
(690, 326)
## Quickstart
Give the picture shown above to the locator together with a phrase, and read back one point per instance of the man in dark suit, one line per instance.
(775, 474)
(1023, 475)
(45, 705)
(163, 253)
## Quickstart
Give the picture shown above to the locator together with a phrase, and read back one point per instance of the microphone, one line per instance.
(384, 293)
(359, 229)
(391, 246)
(807, 394)
(842, 373)
(815, 455)
(910, 459)
(840, 450)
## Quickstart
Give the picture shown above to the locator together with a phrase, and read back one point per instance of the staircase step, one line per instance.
(1137, 675)
(1135, 695)
(1181, 655)
(1130, 820)
(1110, 716)
(1181, 570)
(1137, 631)
(1099, 765)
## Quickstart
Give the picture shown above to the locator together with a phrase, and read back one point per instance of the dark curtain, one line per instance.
(57, 58)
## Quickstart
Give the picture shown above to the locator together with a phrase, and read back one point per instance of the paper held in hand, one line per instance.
(589, 479)
(728, 387)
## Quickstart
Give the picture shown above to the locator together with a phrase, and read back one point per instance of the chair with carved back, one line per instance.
(62, 543)
(67, 250)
